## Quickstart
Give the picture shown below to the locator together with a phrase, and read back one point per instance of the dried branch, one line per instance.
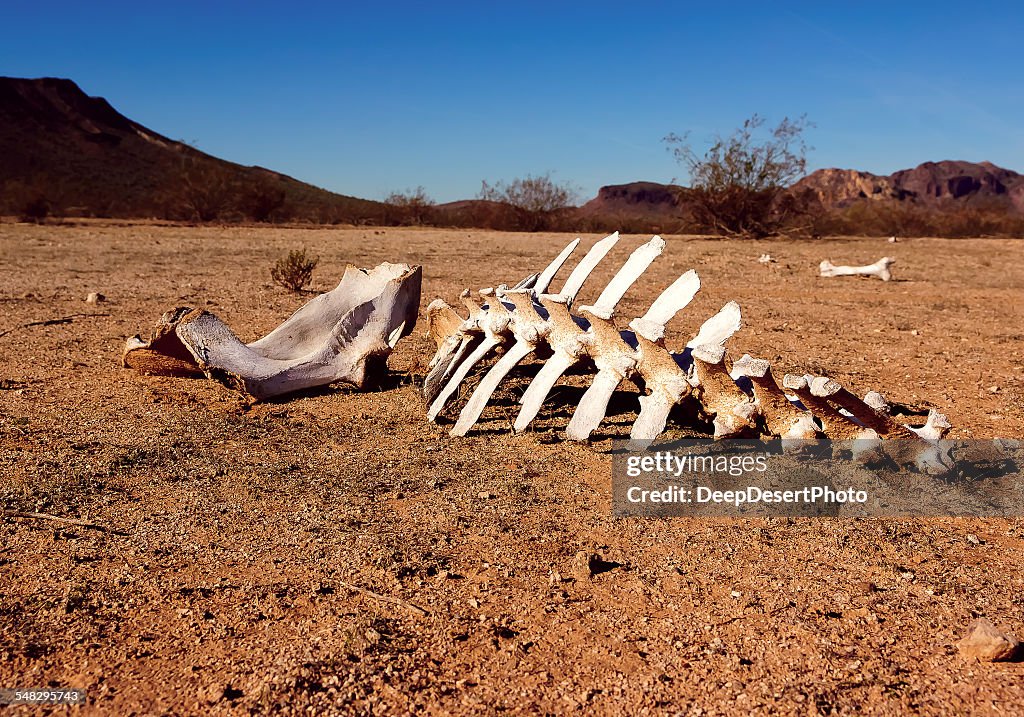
(385, 598)
(52, 322)
(55, 518)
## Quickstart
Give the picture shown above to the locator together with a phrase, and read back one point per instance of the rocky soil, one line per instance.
(335, 553)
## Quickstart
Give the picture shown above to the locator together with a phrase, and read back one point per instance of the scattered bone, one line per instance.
(95, 298)
(880, 269)
(343, 335)
(988, 643)
(742, 400)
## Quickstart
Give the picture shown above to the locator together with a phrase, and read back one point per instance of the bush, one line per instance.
(539, 198)
(736, 183)
(294, 271)
(262, 200)
(411, 206)
(35, 209)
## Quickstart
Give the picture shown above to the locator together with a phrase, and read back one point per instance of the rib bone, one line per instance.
(752, 402)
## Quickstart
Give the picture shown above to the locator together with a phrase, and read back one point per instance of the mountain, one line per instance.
(647, 200)
(932, 185)
(80, 155)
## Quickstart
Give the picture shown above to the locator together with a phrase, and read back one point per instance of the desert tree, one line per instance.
(205, 191)
(262, 199)
(534, 194)
(737, 184)
(414, 205)
(538, 198)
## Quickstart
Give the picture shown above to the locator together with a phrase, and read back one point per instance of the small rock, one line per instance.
(484, 495)
(993, 389)
(736, 594)
(988, 643)
(554, 577)
(581, 566)
(372, 636)
(213, 693)
(973, 539)
(893, 240)
(867, 587)
(95, 298)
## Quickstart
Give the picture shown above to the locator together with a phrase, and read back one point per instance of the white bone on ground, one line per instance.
(334, 337)
(879, 269)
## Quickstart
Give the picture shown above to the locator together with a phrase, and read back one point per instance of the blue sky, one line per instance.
(365, 98)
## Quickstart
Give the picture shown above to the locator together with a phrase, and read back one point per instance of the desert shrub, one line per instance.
(262, 200)
(206, 190)
(34, 209)
(294, 271)
(735, 185)
(539, 199)
(409, 207)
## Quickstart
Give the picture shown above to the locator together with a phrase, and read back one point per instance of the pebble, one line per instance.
(988, 643)
(95, 298)
(581, 566)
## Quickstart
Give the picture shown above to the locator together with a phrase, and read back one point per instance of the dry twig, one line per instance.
(51, 322)
(385, 598)
(56, 518)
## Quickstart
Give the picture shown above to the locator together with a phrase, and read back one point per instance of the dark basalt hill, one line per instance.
(85, 157)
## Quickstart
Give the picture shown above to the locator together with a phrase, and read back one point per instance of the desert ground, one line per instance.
(334, 552)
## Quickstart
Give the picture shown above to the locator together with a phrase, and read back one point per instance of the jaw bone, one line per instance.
(343, 335)
(740, 401)
(880, 269)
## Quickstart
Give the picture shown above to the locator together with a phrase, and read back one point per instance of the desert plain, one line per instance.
(335, 552)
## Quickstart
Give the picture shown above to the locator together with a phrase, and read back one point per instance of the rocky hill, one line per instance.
(932, 185)
(77, 154)
(647, 200)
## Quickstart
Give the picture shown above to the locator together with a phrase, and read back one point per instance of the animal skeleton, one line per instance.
(343, 335)
(880, 269)
(742, 400)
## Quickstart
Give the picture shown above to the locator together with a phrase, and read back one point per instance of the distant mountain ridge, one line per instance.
(930, 186)
(78, 150)
(80, 156)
